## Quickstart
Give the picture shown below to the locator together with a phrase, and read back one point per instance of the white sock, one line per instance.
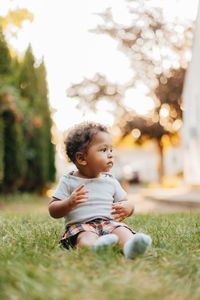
(105, 241)
(137, 245)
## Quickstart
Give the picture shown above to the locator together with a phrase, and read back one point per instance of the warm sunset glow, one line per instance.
(164, 111)
(74, 52)
(177, 125)
(137, 100)
(136, 133)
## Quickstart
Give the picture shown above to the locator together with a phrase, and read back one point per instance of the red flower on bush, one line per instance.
(20, 117)
(37, 122)
(13, 107)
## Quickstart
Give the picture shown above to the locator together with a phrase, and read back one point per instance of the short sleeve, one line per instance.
(62, 190)
(120, 193)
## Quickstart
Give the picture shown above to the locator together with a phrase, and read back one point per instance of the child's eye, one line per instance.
(103, 150)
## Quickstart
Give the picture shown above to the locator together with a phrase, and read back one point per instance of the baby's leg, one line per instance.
(124, 235)
(132, 244)
(86, 238)
(93, 241)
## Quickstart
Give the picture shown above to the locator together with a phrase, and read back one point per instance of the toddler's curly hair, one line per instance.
(80, 137)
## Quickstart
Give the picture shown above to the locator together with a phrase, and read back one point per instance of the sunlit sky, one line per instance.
(59, 33)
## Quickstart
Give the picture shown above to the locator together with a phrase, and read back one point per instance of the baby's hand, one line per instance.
(122, 210)
(78, 196)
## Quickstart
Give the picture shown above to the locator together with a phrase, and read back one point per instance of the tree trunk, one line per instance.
(161, 160)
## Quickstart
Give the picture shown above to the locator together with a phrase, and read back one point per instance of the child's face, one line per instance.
(99, 156)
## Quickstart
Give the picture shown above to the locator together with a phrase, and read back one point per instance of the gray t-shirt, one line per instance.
(103, 191)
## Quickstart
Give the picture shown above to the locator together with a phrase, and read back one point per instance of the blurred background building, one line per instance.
(191, 124)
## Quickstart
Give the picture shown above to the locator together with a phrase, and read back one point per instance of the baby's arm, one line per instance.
(122, 209)
(58, 209)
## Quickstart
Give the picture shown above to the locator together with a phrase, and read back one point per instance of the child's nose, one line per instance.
(110, 154)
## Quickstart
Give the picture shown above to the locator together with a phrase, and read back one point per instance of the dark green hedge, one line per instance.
(1, 149)
(26, 151)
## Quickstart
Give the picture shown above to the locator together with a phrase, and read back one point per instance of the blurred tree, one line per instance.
(5, 59)
(14, 20)
(47, 121)
(13, 165)
(33, 87)
(153, 44)
(26, 151)
(1, 147)
(14, 152)
(159, 53)
(27, 81)
(164, 119)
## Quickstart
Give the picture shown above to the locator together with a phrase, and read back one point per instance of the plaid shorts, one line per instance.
(98, 226)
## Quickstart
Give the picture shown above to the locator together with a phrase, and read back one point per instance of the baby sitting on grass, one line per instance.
(91, 200)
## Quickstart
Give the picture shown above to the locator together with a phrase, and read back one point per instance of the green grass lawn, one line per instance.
(34, 266)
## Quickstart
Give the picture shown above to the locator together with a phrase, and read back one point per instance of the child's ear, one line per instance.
(80, 158)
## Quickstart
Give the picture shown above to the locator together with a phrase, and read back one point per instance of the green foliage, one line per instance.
(37, 161)
(51, 165)
(33, 87)
(27, 77)
(1, 148)
(5, 58)
(26, 151)
(34, 266)
(14, 163)
(47, 122)
(14, 153)
(15, 69)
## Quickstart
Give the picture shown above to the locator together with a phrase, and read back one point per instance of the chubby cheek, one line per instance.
(101, 157)
(102, 162)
